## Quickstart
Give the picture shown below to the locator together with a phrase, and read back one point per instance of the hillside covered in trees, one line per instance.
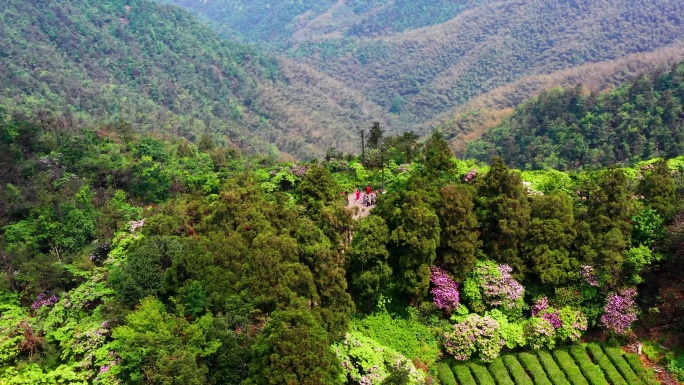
(570, 128)
(423, 61)
(99, 62)
(140, 260)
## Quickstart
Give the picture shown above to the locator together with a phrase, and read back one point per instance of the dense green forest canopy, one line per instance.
(135, 259)
(570, 128)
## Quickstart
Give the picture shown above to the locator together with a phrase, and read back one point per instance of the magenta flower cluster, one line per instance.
(502, 289)
(470, 176)
(298, 170)
(554, 318)
(444, 290)
(539, 306)
(620, 311)
(44, 299)
(587, 274)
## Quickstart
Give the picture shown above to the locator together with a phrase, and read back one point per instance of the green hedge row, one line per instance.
(500, 373)
(463, 375)
(569, 367)
(622, 366)
(647, 375)
(552, 370)
(516, 370)
(608, 368)
(445, 375)
(534, 368)
(592, 372)
(481, 374)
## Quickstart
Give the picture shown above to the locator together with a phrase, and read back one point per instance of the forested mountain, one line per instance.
(130, 259)
(156, 67)
(571, 128)
(422, 60)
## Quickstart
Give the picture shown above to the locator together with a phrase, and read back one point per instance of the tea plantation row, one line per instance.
(590, 364)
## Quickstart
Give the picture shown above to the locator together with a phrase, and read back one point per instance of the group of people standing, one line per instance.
(368, 198)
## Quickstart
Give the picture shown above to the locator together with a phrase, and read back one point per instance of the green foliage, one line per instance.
(500, 373)
(534, 368)
(553, 371)
(481, 374)
(365, 359)
(606, 366)
(407, 336)
(368, 271)
(558, 129)
(615, 355)
(459, 239)
(517, 372)
(591, 371)
(646, 375)
(463, 375)
(444, 374)
(158, 347)
(569, 366)
(293, 347)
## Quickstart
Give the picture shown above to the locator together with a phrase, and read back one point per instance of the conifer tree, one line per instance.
(459, 239)
(504, 214)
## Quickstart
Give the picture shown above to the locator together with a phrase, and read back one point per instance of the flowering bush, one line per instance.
(44, 299)
(620, 311)
(539, 306)
(587, 274)
(470, 176)
(496, 288)
(475, 334)
(573, 323)
(540, 333)
(445, 289)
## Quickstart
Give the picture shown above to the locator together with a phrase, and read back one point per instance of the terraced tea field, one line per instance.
(592, 364)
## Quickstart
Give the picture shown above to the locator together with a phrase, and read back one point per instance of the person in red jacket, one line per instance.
(358, 194)
(368, 189)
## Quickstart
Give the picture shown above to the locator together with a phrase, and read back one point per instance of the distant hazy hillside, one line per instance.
(157, 67)
(422, 59)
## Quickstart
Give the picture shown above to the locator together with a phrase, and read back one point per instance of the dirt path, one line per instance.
(363, 211)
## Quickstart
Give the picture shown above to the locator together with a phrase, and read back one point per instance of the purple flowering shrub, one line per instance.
(470, 176)
(445, 289)
(568, 323)
(44, 299)
(620, 311)
(492, 286)
(474, 334)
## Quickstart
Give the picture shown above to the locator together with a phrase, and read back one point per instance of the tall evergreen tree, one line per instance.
(293, 348)
(504, 214)
(459, 240)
